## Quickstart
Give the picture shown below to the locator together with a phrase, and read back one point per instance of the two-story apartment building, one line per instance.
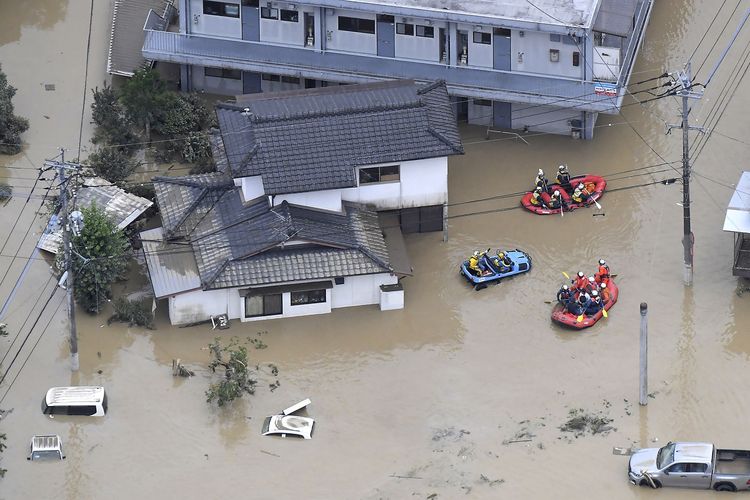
(547, 65)
(306, 210)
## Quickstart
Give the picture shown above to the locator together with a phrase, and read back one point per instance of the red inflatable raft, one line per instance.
(561, 316)
(598, 184)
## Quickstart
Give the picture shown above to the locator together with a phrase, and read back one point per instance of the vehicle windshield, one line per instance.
(665, 456)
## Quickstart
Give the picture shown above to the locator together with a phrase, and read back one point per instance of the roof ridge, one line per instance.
(341, 112)
(184, 180)
(442, 138)
(187, 213)
(430, 87)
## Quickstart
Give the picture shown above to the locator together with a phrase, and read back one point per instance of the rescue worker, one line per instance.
(536, 197)
(605, 295)
(581, 194)
(580, 281)
(474, 263)
(595, 304)
(563, 177)
(564, 295)
(602, 275)
(578, 307)
(556, 201)
(591, 285)
(541, 181)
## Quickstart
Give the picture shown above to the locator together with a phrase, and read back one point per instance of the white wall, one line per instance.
(360, 290)
(283, 32)
(252, 187)
(226, 27)
(417, 47)
(480, 54)
(214, 85)
(424, 182)
(535, 46)
(325, 200)
(196, 306)
(346, 40)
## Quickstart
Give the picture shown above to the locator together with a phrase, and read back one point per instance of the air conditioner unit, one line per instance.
(575, 134)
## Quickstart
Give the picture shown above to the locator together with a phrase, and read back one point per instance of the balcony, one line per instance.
(482, 83)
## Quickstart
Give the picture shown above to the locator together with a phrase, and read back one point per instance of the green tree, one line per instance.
(142, 95)
(2, 448)
(236, 377)
(112, 164)
(11, 126)
(99, 259)
(113, 125)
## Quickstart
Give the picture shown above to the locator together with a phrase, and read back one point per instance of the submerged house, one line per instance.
(737, 221)
(305, 214)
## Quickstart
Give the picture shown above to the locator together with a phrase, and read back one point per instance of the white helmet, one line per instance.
(604, 285)
(556, 193)
(541, 172)
(601, 262)
(538, 190)
(561, 168)
(591, 279)
(580, 185)
(580, 274)
(594, 293)
(565, 287)
(476, 253)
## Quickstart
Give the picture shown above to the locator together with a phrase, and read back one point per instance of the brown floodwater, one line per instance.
(423, 400)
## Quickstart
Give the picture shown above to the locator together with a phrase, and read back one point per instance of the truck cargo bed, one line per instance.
(732, 462)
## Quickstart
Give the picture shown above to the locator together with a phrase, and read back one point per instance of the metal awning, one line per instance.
(129, 19)
(737, 219)
(394, 242)
(616, 17)
(171, 267)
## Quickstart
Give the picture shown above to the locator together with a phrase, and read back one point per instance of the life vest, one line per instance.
(536, 198)
(473, 261)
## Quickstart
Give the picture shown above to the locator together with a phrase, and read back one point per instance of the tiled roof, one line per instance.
(313, 139)
(286, 243)
(184, 201)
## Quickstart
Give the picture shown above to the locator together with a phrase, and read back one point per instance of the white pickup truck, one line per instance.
(691, 465)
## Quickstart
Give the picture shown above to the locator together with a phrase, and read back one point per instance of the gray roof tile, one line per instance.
(313, 139)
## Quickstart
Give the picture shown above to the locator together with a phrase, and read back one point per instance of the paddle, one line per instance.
(579, 318)
(597, 205)
(604, 312)
(566, 275)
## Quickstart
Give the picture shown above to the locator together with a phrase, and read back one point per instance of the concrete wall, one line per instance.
(226, 27)
(214, 85)
(417, 47)
(360, 290)
(252, 187)
(283, 32)
(197, 306)
(480, 54)
(325, 200)
(535, 46)
(347, 41)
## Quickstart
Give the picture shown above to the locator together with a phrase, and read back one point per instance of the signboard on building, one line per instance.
(608, 89)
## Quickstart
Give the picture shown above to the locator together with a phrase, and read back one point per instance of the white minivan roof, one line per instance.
(73, 395)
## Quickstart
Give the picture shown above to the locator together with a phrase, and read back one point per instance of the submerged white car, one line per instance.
(285, 423)
(45, 447)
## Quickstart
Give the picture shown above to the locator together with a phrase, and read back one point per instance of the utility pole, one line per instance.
(61, 167)
(686, 91)
(643, 357)
(685, 81)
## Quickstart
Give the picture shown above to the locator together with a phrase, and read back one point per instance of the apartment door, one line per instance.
(443, 46)
(309, 30)
(250, 82)
(501, 114)
(501, 48)
(386, 36)
(463, 47)
(250, 20)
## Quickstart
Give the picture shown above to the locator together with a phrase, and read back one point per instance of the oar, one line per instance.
(597, 205)
(566, 275)
(604, 312)
(579, 318)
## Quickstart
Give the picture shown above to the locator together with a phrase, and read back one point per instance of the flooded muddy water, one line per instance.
(462, 393)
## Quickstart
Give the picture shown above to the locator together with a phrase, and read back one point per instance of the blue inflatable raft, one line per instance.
(495, 270)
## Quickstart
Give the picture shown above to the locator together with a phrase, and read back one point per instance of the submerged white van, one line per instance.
(80, 400)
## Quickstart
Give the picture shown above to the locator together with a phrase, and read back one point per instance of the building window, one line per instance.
(291, 16)
(308, 297)
(290, 79)
(262, 305)
(555, 38)
(271, 78)
(554, 55)
(484, 38)
(357, 25)
(269, 13)
(482, 102)
(405, 29)
(232, 74)
(425, 31)
(379, 174)
(576, 58)
(221, 9)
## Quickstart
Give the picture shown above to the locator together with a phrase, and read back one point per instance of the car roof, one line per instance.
(700, 452)
(75, 395)
(291, 424)
(49, 442)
